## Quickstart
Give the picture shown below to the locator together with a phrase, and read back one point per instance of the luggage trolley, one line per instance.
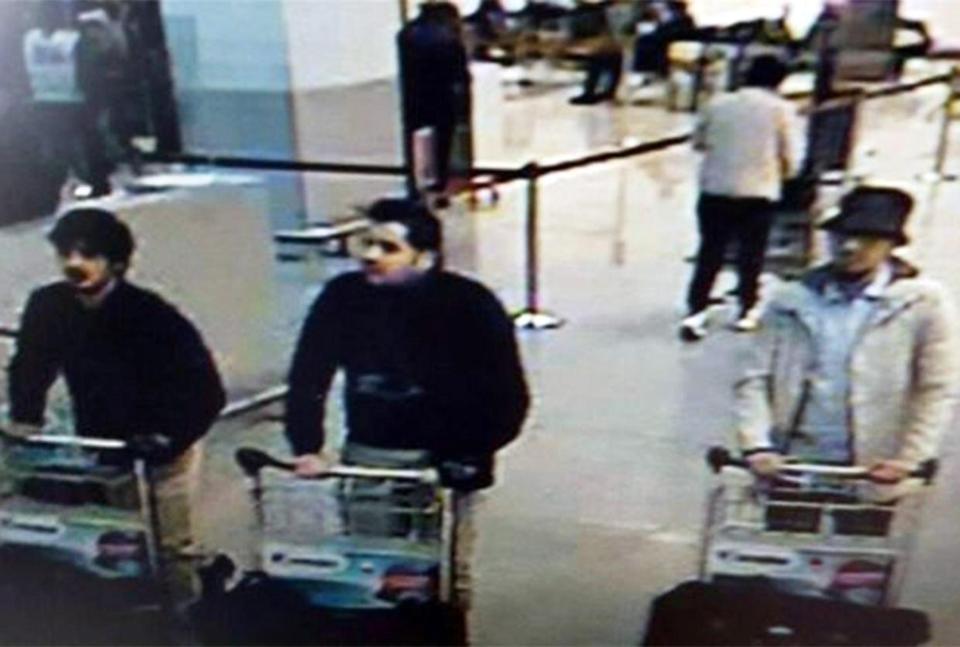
(79, 535)
(355, 555)
(813, 530)
(811, 556)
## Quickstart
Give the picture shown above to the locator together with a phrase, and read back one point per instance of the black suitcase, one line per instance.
(264, 611)
(702, 613)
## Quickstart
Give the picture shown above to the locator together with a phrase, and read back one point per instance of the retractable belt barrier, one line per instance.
(532, 316)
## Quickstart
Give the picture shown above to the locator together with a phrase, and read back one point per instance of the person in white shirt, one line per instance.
(749, 146)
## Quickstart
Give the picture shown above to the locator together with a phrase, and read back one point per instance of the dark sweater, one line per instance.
(430, 365)
(134, 365)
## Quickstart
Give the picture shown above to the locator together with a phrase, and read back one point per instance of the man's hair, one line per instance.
(445, 13)
(96, 231)
(423, 228)
(766, 71)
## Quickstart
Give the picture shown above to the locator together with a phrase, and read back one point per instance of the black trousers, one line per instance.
(722, 220)
(603, 75)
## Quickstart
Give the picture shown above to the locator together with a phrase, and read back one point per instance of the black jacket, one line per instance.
(435, 75)
(431, 365)
(134, 365)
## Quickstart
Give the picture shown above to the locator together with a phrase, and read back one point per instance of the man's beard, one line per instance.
(76, 277)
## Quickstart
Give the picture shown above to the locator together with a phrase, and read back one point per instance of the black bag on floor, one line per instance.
(701, 613)
(261, 610)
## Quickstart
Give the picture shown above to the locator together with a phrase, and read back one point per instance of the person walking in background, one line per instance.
(101, 70)
(435, 83)
(856, 363)
(748, 138)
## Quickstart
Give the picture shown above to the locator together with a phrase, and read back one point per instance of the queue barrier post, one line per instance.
(943, 141)
(532, 317)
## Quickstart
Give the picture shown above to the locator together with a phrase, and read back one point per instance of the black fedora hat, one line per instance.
(873, 211)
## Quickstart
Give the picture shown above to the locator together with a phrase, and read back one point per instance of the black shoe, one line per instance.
(584, 100)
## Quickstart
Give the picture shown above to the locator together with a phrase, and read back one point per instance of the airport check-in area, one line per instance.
(581, 219)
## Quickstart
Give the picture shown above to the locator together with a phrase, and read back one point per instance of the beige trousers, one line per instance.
(175, 486)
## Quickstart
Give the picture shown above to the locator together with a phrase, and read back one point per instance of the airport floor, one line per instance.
(600, 502)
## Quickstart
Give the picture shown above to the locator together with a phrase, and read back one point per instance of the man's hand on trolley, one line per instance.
(307, 465)
(888, 471)
(765, 463)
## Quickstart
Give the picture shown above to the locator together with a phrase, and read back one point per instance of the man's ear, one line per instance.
(426, 260)
(119, 268)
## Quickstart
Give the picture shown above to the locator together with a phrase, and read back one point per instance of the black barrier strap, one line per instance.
(275, 164)
(639, 149)
(908, 87)
(879, 92)
(226, 161)
(500, 175)
(8, 332)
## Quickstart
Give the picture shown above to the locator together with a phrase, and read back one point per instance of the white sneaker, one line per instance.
(694, 327)
(749, 322)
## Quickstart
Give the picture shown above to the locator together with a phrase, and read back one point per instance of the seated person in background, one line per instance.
(595, 42)
(668, 22)
(489, 28)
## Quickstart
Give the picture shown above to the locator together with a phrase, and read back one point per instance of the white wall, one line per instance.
(942, 18)
(723, 12)
(227, 44)
(341, 42)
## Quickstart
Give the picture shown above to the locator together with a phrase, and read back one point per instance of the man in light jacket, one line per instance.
(750, 146)
(856, 363)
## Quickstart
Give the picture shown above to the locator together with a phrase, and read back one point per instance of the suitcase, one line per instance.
(706, 613)
(261, 610)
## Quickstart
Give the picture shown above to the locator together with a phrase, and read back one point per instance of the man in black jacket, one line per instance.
(430, 359)
(134, 366)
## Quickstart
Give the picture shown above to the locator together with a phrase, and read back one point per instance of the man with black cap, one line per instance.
(135, 367)
(856, 362)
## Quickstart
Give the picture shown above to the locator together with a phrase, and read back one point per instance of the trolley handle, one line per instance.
(720, 457)
(252, 461)
(63, 440)
(145, 447)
